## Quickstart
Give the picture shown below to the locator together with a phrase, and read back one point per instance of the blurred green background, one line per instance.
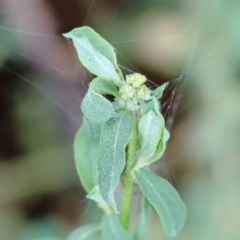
(195, 45)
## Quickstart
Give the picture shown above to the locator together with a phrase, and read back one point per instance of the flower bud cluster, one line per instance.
(133, 91)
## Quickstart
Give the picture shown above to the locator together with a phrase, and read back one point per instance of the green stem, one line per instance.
(128, 180)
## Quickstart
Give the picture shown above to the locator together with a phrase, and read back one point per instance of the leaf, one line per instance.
(96, 62)
(112, 229)
(165, 200)
(161, 147)
(87, 232)
(96, 196)
(151, 105)
(111, 155)
(144, 220)
(102, 86)
(95, 40)
(158, 92)
(150, 129)
(97, 108)
(85, 153)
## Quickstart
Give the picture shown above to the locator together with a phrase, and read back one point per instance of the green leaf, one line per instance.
(85, 153)
(102, 86)
(161, 147)
(150, 129)
(111, 155)
(151, 105)
(144, 220)
(96, 196)
(158, 92)
(87, 232)
(95, 62)
(165, 200)
(97, 108)
(112, 229)
(96, 40)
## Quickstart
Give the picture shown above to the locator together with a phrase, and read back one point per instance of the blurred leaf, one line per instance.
(87, 232)
(158, 92)
(165, 200)
(113, 230)
(85, 153)
(111, 155)
(97, 108)
(144, 220)
(102, 86)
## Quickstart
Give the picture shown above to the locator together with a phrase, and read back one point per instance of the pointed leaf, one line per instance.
(165, 200)
(96, 40)
(112, 229)
(87, 232)
(95, 62)
(102, 86)
(85, 153)
(111, 155)
(97, 108)
(158, 92)
(150, 129)
(144, 220)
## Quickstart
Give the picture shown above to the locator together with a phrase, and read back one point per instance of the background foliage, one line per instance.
(42, 85)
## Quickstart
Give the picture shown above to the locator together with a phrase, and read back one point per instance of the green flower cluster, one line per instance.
(133, 91)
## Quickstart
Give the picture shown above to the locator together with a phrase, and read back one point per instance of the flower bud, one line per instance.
(127, 91)
(136, 79)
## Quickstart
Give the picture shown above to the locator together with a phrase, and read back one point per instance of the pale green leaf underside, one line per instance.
(150, 128)
(158, 92)
(85, 153)
(94, 61)
(161, 147)
(111, 155)
(102, 86)
(87, 232)
(144, 220)
(113, 230)
(96, 40)
(97, 108)
(165, 200)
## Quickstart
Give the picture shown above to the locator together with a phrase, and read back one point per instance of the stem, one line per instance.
(128, 180)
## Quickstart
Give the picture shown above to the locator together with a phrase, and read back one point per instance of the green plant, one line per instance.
(118, 138)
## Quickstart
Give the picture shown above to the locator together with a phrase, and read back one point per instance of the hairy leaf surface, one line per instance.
(112, 229)
(97, 108)
(87, 232)
(85, 153)
(165, 200)
(111, 155)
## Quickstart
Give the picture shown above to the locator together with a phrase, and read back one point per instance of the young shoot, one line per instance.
(118, 138)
